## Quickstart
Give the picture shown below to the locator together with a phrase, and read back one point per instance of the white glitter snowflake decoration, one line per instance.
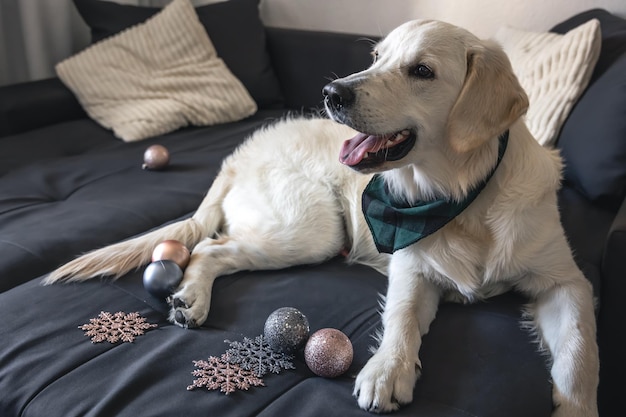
(257, 356)
(218, 373)
(116, 327)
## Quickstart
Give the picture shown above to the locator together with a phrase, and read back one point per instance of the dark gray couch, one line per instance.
(68, 186)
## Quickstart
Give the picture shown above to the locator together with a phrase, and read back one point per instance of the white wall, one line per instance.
(36, 34)
(377, 17)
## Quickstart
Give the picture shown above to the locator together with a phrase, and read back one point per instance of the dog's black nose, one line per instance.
(338, 95)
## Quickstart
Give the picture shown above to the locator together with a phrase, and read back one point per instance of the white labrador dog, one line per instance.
(441, 116)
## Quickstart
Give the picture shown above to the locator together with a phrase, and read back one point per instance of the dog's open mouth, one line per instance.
(364, 151)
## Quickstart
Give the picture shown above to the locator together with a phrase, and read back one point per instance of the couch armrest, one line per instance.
(612, 338)
(35, 104)
(305, 61)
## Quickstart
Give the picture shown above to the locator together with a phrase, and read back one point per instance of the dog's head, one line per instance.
(431, 84)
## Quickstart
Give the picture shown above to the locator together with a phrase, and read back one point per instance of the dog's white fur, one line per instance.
(283, 199)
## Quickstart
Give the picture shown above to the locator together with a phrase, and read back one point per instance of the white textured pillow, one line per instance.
(156, 77)
(554, 70)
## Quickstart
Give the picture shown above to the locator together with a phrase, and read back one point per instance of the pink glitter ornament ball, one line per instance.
(328, 353)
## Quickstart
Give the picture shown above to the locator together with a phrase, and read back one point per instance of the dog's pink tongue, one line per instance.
(354, 150)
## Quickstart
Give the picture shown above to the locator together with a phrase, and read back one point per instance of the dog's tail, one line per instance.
(118, 259)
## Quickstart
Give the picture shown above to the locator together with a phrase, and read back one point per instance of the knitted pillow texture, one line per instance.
(554, 70)
(156, 77)
(592, 140)
(243, 50)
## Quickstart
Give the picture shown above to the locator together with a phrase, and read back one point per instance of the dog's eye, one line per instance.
(422, 71)
(375, 55)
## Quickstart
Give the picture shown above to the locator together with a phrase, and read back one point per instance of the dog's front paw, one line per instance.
(567, 411)
(189, 306)
(565, 408)
(386, 382)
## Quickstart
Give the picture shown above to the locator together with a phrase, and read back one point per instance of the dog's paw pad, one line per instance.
(178, 303)
(181, 319)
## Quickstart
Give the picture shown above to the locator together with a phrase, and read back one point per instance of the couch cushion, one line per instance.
(592, 139)
(73, 187)
(234, 26)
(156, 77)
(554, 70)
(49, 367)
(34, 104)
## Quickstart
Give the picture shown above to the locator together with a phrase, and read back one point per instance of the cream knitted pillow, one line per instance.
(156, 77)
(554, 70)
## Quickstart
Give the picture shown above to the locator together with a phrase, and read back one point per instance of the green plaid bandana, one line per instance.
(396, 225)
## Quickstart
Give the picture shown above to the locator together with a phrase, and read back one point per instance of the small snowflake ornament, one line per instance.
(116, 327)
(257, 356)
(219, 373)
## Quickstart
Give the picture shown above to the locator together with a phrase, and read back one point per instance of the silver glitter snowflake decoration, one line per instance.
(257, 356)
(219, 373)
(116, 327)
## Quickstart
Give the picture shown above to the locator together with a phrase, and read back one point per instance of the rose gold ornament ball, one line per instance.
(328, 353)
(172, 250)
(156, 157)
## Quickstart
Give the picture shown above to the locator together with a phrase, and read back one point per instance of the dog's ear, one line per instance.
(490, 101)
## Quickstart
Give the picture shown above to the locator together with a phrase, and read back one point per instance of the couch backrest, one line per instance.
(305, 61)
(593, 138)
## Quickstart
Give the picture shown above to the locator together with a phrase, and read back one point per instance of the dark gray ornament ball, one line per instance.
(161, 278)
(286, 330)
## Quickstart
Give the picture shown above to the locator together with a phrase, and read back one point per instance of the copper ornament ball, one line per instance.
(328, 353)
(156, 157)
(172, 250)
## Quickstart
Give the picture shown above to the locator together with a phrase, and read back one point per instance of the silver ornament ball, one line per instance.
(286, 330)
